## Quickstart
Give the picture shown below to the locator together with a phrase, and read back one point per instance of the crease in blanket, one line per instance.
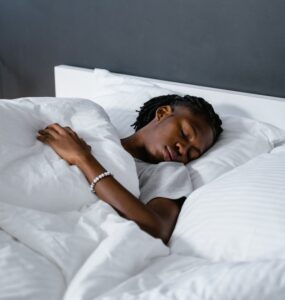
(87, 246)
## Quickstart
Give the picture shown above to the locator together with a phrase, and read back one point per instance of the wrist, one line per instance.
(84, 159)
(89, 166)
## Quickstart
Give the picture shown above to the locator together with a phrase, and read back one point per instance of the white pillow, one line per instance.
(33, 175)
(241, 140)
(121, 97)
(237, 217)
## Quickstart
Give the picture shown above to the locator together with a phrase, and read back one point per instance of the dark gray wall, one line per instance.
(229, 44)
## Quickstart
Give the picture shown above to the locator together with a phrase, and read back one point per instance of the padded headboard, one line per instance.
(77, 82)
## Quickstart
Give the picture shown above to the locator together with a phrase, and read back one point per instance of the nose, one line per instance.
(183, 150)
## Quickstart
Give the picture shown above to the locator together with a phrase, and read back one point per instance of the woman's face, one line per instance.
(178, 135)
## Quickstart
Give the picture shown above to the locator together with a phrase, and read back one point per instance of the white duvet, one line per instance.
(95, 254)
(92, 253)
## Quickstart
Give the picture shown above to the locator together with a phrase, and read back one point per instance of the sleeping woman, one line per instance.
(170, 131)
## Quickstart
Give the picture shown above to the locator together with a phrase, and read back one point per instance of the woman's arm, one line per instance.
(158, 217)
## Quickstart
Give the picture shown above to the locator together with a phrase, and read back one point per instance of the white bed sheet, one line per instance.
(186, 277)
(25, 274)
(96, 254)
(56, 255)
(94, 247)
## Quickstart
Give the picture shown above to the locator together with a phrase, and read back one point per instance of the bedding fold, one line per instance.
(95, 243)
(80, 248)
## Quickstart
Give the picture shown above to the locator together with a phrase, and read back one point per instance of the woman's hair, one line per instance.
(196, 105)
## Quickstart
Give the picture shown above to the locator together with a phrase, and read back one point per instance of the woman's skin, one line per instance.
(173, 135)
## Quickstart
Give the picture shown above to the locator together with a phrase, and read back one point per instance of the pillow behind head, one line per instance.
(241, 140)
(33, 175)
(121, 97)
(237, 217)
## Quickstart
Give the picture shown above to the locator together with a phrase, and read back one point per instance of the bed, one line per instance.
(58, 243)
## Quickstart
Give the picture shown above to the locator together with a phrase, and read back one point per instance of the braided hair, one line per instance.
(197, 105)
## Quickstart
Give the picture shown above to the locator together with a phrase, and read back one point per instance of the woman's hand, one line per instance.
(158, 218)
(65, 142)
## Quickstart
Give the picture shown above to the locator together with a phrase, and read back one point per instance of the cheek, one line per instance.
(159, 141)
(168, 132)
(160, 137)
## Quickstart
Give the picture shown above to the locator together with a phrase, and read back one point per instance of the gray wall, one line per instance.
(230, 44)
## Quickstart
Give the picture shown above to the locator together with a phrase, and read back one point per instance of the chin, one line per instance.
(153, 159)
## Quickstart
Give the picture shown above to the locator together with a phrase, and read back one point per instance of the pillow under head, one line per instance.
(241, 140)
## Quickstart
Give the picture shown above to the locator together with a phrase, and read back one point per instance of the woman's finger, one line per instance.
(69, 130)
(43, 137)
(56, 127)
(49, 131)
(72, 132)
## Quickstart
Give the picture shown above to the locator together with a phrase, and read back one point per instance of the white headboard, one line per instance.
(77, 82)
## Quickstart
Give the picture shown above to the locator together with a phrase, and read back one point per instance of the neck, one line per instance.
(134, 144)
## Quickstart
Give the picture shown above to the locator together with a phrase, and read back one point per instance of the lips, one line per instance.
(169, 154)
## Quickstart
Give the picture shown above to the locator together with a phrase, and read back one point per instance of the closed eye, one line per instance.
(183, 134)
(188, 131)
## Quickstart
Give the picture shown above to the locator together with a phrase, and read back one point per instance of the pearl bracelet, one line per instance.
(97, 178)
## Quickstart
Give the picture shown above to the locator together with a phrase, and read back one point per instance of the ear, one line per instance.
(163, 112)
